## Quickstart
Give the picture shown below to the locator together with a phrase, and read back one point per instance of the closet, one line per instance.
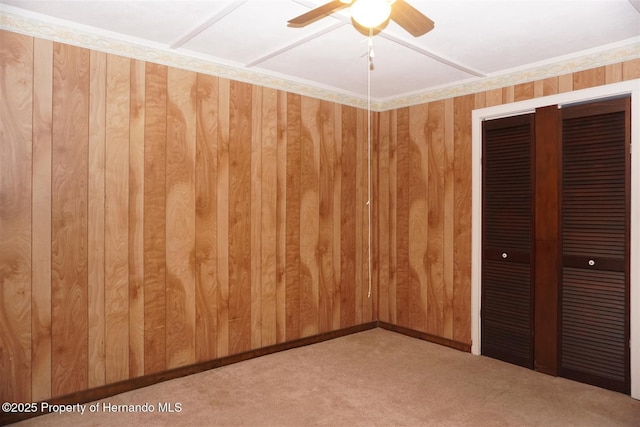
(555, 241)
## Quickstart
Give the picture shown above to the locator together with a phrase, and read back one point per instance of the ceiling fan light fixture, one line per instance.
(371, 13)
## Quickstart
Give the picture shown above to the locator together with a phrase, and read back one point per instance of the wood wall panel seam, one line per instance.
(326, 183)
(462, 218)
(269, 190)
(281, 214)
(172, 302)
(309, 215)
(240, 119)
(222, 214)
(41, 221)
(418, 215)
(103, 392)
(180, 234)
(631, 69)
(69, 275)
(292, 292)
(403, 170)
(382, 214)
(372, 213)
(16, 244)
(118, 92)
(136, 219)
(155, 218)
(448, 221)
(206, 219)
(348, 218)
(337, 217)
(434, 260)
(360, 142)
(96, 219)
(393, 216)
(256, 216)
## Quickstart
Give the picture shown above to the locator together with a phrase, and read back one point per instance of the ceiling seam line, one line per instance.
(432, 55)
(294, 44)
(206, 24)
(414, 47)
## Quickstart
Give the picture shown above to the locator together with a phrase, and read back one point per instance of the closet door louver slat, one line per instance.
(594, 317)
(507, 235)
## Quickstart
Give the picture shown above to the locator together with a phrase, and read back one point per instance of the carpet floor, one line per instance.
(373, 378)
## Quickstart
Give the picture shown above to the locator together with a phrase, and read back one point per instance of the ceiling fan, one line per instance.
(371, 14)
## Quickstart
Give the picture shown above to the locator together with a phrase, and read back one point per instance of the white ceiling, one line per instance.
(472, 40)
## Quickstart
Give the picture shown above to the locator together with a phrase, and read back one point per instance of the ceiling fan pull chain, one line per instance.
(369, 68)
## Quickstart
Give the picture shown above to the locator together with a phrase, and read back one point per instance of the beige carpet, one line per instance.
(374, 378)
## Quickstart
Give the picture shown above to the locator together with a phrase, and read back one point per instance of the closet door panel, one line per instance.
(507, 327)
(594, 329)
(594, 341)
(506, 312)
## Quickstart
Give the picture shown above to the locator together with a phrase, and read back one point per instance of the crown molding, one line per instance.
(36, 25)
(58, 30)
(606, 55)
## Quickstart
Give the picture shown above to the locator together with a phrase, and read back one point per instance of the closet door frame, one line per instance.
(632, 88)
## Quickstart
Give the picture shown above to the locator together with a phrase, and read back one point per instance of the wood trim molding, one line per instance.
(19, 21)
(547, 212)
(109, 390)
(425, 336)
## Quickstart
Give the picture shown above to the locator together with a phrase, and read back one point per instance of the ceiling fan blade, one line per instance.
(317, 13)
(410, 18)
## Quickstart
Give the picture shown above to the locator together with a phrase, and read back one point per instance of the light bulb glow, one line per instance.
(370, 13)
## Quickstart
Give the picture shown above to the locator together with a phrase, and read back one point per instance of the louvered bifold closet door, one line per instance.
(506, 315)
(594, 306)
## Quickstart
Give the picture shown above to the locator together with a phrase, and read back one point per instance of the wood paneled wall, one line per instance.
(423, 217)
(423, 202)
(152, 217)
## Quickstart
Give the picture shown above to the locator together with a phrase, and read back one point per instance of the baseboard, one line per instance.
(109, 390)
(425, 336)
